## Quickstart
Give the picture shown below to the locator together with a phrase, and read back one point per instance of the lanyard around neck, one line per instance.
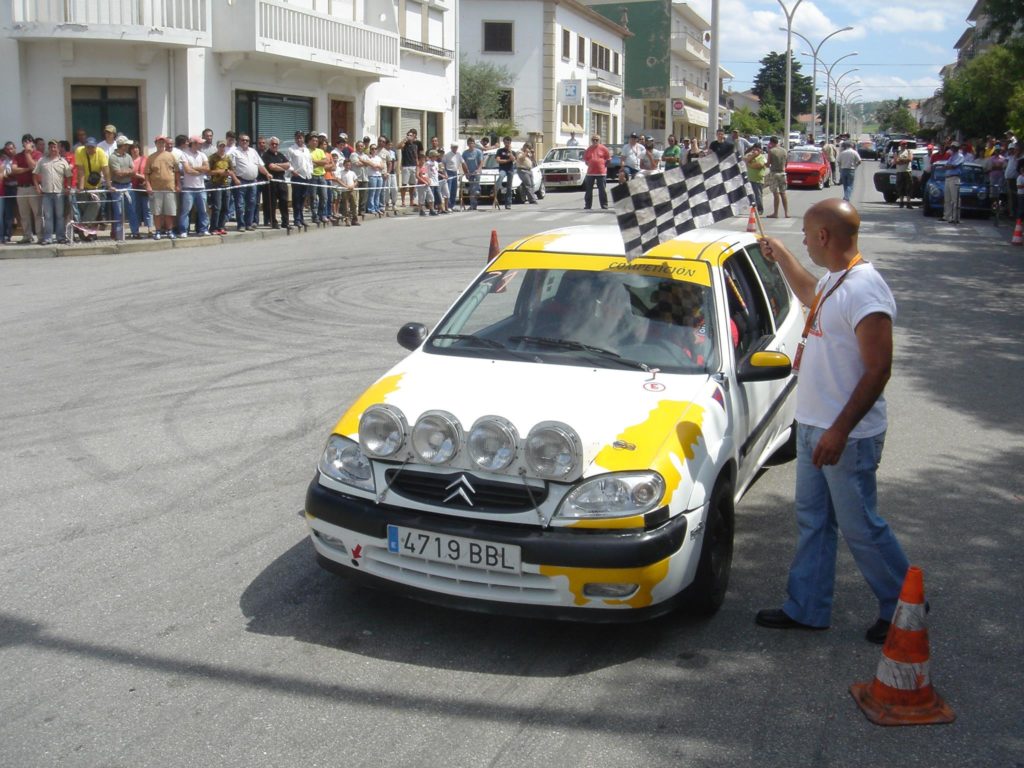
(819, 300)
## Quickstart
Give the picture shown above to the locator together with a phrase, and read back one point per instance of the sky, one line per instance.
(901, 46)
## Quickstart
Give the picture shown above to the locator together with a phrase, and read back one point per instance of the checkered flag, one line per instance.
(653, 209)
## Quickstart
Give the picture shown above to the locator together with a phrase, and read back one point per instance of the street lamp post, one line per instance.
(828, 80)
(814, 78)
(844, 95)
(835, 84)
(848, 111)
(789, 65)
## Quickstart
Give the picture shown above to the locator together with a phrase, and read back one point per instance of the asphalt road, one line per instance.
(163, 412)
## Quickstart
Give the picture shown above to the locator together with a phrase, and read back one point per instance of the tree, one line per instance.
(746, 122)
(771, 118)
(481, 96)
(977, 97)
(895, 116)
(770, 83)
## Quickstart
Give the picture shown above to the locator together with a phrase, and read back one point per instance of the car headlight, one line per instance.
(344, 461)
(382, 431)
(436, 437)
(553, 451)
(618, 495)
(935, 192)
(492, 443)
(982, 194)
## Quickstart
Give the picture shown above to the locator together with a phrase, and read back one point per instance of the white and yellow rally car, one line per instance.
(572, 437)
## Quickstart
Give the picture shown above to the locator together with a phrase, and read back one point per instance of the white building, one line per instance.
(567, 62)
(267, 67)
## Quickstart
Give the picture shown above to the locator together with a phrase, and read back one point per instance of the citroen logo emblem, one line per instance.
(459, 489)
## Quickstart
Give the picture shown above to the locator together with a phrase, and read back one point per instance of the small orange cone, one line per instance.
(492, 252)
(902, 693)
(1018, 235)
(752, 221)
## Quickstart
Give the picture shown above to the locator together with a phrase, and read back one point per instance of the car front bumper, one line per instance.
(350, 535)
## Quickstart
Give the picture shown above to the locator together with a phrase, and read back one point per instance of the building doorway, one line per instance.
(341, 120)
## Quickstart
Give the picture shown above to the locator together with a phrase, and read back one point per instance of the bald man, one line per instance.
(843, 364)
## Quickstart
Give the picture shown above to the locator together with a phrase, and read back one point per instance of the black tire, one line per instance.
(925, 208)
(541, 191)
(707, 592)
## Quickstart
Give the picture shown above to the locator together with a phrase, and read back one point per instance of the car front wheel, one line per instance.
(541, 191)
(821, 182)
(707, 592)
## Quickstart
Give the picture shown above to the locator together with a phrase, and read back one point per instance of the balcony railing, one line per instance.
(289, 31)
(692, 45)
(187, 16)
(606, 77)
(688, 90)
(431, 50)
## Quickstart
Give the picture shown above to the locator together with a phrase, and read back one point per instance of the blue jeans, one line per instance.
(840, 497)
(10, 207)
(53, 215)
(195, 198)
(472, 183)
(453, 190)
(846, 179)
(373, 204)
(219, 197)
(319, 205)
(505, 179)
(124, 196)
(245, 204)
(588, 190)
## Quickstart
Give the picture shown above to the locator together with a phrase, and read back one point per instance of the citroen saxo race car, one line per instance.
(571, 439)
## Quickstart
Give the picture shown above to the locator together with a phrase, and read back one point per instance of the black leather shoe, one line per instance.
(877, 632)
(776, 618)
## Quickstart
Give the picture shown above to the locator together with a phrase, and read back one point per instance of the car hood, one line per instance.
(660, 419)
(563, 164)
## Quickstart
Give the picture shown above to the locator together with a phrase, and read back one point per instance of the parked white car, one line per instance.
(489, 173)
(564, 167)
(573, 437)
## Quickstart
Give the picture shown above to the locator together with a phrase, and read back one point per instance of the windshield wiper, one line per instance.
(578, 346)
(481, 340)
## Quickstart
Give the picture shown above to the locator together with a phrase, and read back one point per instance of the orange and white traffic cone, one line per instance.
(752, 221)
(1018, 234)
(902, 693)
(492, 252)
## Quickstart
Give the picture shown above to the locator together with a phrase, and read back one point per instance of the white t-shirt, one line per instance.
(831, 364)
(196, 161)
(347, 179)
(848, 159)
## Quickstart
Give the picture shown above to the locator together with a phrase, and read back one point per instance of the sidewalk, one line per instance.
(105, 245)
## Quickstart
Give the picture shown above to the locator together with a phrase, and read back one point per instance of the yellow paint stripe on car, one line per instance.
(646, 577)
(348, 425)
(605, 523)
(672, 428)
(713, 253)
(670, 270)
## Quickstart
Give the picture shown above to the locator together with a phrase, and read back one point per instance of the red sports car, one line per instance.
(807, 167)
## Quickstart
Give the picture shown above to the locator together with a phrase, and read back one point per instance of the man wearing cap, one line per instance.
(194, 168)
(109, 143)
(163, 182)
(954, 167)
(122, 170)
(93, 174)
(903, 176)
(454, 167)
(631, 154)
(410, 148)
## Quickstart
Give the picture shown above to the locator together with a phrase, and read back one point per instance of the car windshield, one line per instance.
(617, 318)
(804, 156)
(490, 160)
(969, 174)
(562, 154)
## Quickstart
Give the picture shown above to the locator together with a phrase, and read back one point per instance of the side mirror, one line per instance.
(764, 366)
(411, 335)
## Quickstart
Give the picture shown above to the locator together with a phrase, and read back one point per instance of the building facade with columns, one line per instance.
(261, 66)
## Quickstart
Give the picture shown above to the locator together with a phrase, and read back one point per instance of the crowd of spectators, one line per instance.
(197, 186)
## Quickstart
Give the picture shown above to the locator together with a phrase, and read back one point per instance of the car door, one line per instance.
(765, 316)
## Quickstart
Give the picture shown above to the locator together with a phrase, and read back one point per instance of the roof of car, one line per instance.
(706, 244)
